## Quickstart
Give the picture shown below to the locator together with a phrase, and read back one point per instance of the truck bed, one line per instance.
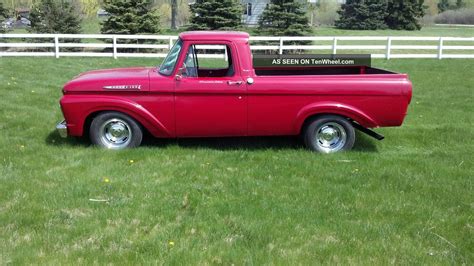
(311, 71)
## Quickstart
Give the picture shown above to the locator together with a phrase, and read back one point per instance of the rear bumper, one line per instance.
(61, 127)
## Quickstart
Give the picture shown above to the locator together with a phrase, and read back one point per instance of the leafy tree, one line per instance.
(215, 15)
(130, 17)
(54, 16)
(404, 14)
(3, 15)
(284, 18)
(362, 15)
(90, 7)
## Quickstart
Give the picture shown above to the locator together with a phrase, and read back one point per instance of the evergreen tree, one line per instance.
(54, 16)
(130, 17)
(443, 5)
(404, 14)
(460, 4)
(284, 18)
(362, 15)
(215, 15)
(3, 15)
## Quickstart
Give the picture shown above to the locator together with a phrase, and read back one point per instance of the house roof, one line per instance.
(214, 35)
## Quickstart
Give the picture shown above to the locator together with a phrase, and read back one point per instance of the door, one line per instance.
(210, 95)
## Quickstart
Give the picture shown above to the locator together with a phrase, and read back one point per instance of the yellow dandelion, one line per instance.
(106, 180)
(171, 243)
(131, 161)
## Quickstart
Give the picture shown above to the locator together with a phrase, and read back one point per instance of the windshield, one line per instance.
(169, 63)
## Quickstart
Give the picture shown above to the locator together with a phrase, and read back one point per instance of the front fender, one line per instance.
(76, 108)
(334, 108)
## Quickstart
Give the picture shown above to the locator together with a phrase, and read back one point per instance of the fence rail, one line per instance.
(97, 45)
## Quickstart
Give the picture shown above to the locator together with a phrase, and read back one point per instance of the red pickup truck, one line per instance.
(190, 95)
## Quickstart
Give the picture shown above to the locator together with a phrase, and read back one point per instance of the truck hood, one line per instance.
(119, 79)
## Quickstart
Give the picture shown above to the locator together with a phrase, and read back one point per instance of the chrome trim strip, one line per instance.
(123, 87)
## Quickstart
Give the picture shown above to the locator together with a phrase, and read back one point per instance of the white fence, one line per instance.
(96, 45)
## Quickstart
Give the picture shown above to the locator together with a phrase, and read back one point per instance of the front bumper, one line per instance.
(62, 129)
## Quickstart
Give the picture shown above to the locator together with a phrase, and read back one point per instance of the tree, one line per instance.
(3, 15)
(90, 7)
(362, 15)
(130, 17)
(215, 15)
(443, 5)
(404, 14)
(460, 4)
(174, 14)
(54, 16)
(284, 18)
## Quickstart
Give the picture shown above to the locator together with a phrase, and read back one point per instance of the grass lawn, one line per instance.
(405, 200)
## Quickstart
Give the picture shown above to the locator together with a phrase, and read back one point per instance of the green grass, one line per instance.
(405, 200)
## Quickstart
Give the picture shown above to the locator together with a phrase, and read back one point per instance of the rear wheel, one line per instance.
(114, 130)
(329, 134)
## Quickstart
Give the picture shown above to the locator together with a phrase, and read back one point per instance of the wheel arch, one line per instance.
(79, 110)
(309, 113)
(155, 129)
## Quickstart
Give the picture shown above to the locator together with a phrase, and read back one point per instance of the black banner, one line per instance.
(310, 60)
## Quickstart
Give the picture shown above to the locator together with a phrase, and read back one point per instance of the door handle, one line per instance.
(234, 83)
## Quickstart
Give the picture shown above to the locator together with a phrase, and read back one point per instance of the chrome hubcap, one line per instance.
(115, 133)
(330, 137)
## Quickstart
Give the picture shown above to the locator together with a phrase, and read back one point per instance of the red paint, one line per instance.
(198, 107)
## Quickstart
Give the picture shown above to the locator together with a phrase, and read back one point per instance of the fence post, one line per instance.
(440, 48)
(334, 46)
(170, 44)
(281, 46)
(56, 46)
(389, 48)
(114, 45)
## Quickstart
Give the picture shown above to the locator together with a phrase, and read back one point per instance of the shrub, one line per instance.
(461, 16)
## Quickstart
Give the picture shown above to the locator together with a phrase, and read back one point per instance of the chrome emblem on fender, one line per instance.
(123, 87)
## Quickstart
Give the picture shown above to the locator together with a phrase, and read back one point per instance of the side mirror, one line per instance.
(179, 73)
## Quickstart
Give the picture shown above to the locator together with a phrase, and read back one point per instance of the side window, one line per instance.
(213, 60)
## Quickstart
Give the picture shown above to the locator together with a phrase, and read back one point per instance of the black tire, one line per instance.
(329, 134)
(114, 130)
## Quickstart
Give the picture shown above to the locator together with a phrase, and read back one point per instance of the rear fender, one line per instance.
(77, 108)
(336, 109)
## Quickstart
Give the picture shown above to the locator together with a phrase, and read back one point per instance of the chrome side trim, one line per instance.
(123, 87)
(61, 127)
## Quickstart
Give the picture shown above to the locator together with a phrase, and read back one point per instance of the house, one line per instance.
(254, 8)
(252, 11)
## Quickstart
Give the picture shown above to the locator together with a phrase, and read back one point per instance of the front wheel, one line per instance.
(329, 134)
(114, 130)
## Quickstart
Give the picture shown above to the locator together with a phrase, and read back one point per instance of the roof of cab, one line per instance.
(214, 36)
